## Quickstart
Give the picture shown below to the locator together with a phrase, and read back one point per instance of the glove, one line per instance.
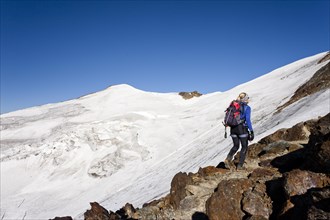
(251, 136)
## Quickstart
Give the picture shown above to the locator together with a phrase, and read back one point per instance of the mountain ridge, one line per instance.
(119, 144)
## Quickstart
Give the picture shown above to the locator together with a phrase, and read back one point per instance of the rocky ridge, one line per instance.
(320, 81)
(189, 95)
(286, 176)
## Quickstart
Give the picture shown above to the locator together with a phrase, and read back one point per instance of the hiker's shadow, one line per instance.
(221, 165)
(199, 216)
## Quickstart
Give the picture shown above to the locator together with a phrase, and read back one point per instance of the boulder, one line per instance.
(189, 95)
(256, 202)
(178, 188)
(298, 132)
(314, 204)
(318, 151)
(254, 150)
(127, 211)
(225, 202)
(211, 171)
(97, 212)
(263, 174)
(297, 182)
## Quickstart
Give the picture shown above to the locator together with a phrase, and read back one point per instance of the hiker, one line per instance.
(240, 130)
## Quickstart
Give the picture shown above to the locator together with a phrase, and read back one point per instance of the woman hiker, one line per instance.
(241, 133)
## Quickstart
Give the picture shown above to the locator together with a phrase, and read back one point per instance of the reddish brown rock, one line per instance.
(178, 188)
(225, 202)
(254, 150)
(256, 201)
(189, 95)
(299, 132)
(210, 171)
(297, 182)
(262, 174)
(126, 212)
(266, 163)
(97, 212)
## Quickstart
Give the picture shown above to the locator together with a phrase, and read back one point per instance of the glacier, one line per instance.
(124, 145)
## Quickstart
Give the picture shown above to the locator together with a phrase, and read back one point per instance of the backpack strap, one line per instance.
(242, 108)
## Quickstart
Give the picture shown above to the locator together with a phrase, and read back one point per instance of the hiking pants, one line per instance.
(239, 134)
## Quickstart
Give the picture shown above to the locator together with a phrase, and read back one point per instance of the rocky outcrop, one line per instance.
(286, 176)
(325, 58)
(189, 95)
(97, 212)
(320, 81)
(178, 189)
(225, 202)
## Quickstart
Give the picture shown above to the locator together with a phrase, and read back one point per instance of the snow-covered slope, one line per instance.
(125, 145)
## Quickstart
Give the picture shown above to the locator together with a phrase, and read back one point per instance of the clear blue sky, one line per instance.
(53, 51)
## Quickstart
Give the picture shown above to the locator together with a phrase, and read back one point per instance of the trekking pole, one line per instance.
(225, 129)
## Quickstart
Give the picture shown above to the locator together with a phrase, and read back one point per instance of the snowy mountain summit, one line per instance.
(125, 145)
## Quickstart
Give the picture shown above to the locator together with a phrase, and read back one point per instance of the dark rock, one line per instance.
(114, 216)
(316, 213)
(178, 188)
(210, 171)
(256, 201)
(314, 204)
(126, 212)
(318, 151)
(266, 163)
(152, 203)
(299, 132)
(274, 149)
(297, 182)
(225, 202)
(97, 212)
(276, 192)
(189, 95)
(262, 174)
(290, 161)
(254, 150)
(325, 58)
(319, 81)
(319, 158)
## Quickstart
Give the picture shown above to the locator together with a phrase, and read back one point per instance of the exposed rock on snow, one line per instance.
(189, 95)
(320, 81)
(325, 58)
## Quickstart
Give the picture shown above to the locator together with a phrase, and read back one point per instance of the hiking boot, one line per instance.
(239, 167)
(228, 164)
